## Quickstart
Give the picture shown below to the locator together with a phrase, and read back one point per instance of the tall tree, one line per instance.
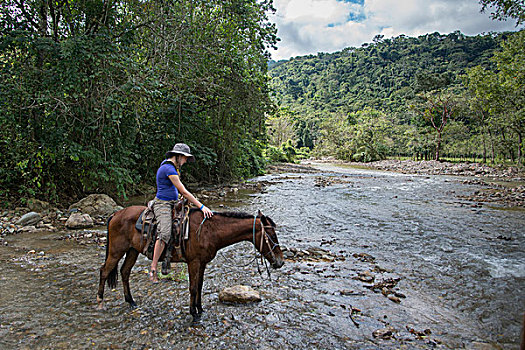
(504, 9)
(436, 108)
(94, 91)
(501, 93)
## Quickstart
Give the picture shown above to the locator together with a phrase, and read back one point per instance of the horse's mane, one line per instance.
(237, 215)
(230, 214)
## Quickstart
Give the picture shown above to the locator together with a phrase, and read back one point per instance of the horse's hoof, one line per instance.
(197, 319)
(133, 305)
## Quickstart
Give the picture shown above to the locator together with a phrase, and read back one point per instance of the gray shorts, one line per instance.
(162, 210)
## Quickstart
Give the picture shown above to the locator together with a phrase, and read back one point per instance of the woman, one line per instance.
(168, 188)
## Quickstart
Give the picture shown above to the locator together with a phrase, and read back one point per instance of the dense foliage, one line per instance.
(93, 92)
(504, 9)
(420, 97)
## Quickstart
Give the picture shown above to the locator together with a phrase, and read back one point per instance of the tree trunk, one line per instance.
(484, 146)
(491, 145)
(519, 148)
(438, 146)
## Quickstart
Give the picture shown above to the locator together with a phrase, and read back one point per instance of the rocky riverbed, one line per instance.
(431, 167)
(500, 186)
(374, 260)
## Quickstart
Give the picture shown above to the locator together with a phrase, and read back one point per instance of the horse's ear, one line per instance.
(260, 214)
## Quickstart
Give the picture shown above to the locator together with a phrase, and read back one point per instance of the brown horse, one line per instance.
(206, 237)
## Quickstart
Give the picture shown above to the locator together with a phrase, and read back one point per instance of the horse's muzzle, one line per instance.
(278, 263)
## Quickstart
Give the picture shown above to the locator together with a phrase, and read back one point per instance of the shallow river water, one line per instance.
(457, 271)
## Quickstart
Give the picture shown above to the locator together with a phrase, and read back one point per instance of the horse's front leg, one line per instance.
(199, 291)
(194, 268)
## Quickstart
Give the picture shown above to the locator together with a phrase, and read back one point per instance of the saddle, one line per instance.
(147, 226)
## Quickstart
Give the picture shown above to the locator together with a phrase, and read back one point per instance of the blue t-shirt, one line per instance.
(166, 190)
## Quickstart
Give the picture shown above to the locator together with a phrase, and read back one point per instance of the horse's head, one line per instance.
(267, 242)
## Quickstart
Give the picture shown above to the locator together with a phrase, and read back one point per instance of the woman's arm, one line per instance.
(182, 190)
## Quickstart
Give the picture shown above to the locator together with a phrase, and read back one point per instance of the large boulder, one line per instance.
(239, 294)
(29, 219)
(96, 205)
(79, 220)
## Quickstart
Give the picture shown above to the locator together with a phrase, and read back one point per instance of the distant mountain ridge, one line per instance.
(382, 75)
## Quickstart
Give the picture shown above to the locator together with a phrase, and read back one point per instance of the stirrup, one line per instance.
(166, 266)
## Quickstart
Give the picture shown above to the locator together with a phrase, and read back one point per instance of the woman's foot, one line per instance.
(153, 277)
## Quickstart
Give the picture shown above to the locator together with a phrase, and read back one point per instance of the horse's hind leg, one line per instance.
(125, 271)
(108, 272)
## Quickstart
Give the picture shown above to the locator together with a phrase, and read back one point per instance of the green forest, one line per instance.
(93, 93)
(428, 97)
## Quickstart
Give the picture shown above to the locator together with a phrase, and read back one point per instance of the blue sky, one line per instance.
(312, 26)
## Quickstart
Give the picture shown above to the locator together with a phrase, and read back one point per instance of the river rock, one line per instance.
(7, 228)
(476, 345)
(239, 294)
(29, 229)
(394, 298)
(96, 205)
(29, 219)
(79, 220)
(366, 276)
(385, 333)
(288, 254)
(364, 257)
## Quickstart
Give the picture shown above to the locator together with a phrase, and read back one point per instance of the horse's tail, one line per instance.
(112, 277)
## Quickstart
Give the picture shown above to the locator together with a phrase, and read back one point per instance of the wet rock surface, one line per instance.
(502, 195)
(29, 219)
(79, 220)
(239, 294)
(374, 261)
(96, 205)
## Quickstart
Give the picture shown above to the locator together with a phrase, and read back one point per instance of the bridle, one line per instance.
(267, 239)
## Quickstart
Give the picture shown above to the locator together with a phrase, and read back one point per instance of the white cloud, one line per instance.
(315, 11)
(312, 26)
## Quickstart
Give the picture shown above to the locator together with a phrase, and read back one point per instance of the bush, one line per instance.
(275, 155)
(287, 153)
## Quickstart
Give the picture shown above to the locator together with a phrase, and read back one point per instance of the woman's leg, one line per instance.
(159, 247)
(163, 214)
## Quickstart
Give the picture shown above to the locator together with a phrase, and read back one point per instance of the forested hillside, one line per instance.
(93, 93)
(401, 96)
(378, 75)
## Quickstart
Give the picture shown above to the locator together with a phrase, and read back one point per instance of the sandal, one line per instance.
(153, 277)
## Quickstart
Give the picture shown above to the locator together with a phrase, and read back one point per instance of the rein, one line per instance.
(267, 239)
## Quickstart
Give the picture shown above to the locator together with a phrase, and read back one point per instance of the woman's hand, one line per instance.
(182, 190)
(207, 212)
